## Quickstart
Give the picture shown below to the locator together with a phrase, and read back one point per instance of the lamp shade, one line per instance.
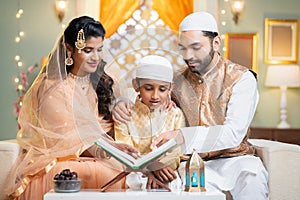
(283, 75)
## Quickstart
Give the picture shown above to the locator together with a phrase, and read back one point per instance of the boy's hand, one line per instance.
(151, 184)
(165, 174)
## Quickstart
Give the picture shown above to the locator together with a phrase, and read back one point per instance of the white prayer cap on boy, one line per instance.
(155, 67)
(199, 21)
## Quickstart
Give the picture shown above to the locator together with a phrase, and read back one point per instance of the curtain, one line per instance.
(113, 13)
(172, 12)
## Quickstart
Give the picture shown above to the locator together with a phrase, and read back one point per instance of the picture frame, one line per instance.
(281, 41)
(242, 48)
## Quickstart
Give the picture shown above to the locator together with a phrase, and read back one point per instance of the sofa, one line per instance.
(281, 160)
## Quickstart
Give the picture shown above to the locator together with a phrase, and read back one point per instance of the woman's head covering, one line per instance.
(57, 120)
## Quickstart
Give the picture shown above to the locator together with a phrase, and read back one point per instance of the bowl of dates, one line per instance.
(66, 181)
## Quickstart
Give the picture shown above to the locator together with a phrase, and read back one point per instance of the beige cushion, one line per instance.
(282, 162)
(9, 150)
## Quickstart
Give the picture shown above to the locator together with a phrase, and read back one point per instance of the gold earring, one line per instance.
(80, 43)
(69, 59)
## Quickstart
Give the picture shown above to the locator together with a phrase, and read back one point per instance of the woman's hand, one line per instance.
(129, 149)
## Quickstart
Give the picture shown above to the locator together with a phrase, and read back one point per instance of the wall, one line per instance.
(42, 28)
(252, 21)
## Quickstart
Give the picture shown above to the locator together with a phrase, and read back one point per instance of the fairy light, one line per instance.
(17, 58)
(224, 48)
(20, 11)
(16, 80)
(21, 33)
(223, 13)
(19, 64)
(18, 39)
(21, 80)
(20, 87)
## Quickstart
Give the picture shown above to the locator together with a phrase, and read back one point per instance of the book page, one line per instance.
(155, 153)
(115, 152)
(129, 160)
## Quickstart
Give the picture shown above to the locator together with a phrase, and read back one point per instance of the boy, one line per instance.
(153, 83)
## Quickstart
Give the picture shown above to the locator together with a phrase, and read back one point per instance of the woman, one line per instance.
(66, 109)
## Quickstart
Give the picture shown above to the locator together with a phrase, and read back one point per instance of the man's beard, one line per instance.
(201, 65)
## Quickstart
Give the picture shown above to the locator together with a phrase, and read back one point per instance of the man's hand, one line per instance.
(168, 105)
(122, 112)
(166, 136)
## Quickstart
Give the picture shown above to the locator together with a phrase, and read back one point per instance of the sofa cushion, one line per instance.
(282, 161)
(9, 150)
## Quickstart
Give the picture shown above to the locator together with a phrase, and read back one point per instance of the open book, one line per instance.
(130, 161)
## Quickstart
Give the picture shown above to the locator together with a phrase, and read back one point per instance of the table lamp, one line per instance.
(283, 76)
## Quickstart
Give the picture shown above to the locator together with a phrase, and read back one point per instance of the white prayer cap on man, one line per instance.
(199, 21)
(155, 67)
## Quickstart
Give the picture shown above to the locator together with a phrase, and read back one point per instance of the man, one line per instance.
(219, 99)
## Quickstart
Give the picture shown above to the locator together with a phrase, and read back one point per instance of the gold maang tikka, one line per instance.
(80, 43)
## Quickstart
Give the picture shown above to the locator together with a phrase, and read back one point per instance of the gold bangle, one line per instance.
(96, 152)
(101, 154)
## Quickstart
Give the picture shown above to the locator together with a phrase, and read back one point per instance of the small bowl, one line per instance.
(67, 186)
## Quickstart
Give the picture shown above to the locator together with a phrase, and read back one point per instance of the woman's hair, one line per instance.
(102, 82)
